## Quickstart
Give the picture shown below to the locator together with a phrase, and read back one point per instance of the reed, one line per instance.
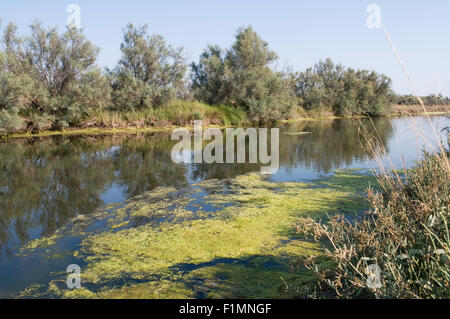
(404, 235)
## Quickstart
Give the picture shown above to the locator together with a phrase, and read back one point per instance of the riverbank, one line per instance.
(405, 110)
(177, 113)
(183, 114)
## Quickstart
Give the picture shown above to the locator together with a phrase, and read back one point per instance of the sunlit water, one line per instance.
(44, 183)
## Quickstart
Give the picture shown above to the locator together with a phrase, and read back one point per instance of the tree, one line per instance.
(65, 65)
(150, 72)
(49, 78)
(343, 91)
(241, 76)
(59, 60)
(318, 87)
(212, 77)
(364, 92)
(11, 88)
(249, 51)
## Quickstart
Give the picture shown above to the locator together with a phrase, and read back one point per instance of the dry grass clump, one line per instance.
(405, 234)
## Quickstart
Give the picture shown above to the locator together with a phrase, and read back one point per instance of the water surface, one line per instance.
(46, 182)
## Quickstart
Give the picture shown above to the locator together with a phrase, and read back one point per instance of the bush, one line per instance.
(150, 72)
(405, 233)
(241, 76)
(48, 79)
(13, 98)
(430, 100)
(331, 87)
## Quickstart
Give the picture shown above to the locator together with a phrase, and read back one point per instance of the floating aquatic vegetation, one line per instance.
(229, 238)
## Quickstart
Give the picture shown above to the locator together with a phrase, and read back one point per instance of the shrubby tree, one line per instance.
(318, 87)
(241, 76)
(212, 77)
(364, 92)
(406, 100)
(430, 100)
(48, 79)
(15, 84)
(59, 60)
(327, 86)
(150, 72)
(17, 92)
(65, 64)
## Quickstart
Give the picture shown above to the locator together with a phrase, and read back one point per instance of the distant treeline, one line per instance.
(430, 100)
(50, 80)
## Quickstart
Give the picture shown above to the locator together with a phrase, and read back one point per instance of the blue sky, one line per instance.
(301, 32)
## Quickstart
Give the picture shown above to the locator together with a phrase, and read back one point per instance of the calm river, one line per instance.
(46, 182)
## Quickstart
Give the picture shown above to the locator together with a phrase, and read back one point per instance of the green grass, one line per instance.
(177, 113)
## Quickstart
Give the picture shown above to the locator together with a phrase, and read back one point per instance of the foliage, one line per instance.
(150, 72)
(48, 78)
(344, 91)
(241, 76)
(430, 100)
(175, 112)
(14, 93)
(405, 233)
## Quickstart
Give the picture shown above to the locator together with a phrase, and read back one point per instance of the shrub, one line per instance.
(405, 233)
(13, 92)
(331, 87)
(430, 100)
(48, 79)
(241, 76)
(150, 72)
(212, 77)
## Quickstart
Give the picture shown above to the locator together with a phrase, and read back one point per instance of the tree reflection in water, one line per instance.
(46, 182)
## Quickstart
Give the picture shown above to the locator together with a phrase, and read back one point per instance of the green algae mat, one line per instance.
(233, 238)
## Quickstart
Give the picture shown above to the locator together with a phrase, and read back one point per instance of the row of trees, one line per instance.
(430, 100)
(50, 79)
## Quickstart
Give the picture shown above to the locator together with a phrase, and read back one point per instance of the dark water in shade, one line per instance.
(45, 182)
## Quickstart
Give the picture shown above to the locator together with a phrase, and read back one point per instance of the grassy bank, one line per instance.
(177, 113)
(181, 113)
